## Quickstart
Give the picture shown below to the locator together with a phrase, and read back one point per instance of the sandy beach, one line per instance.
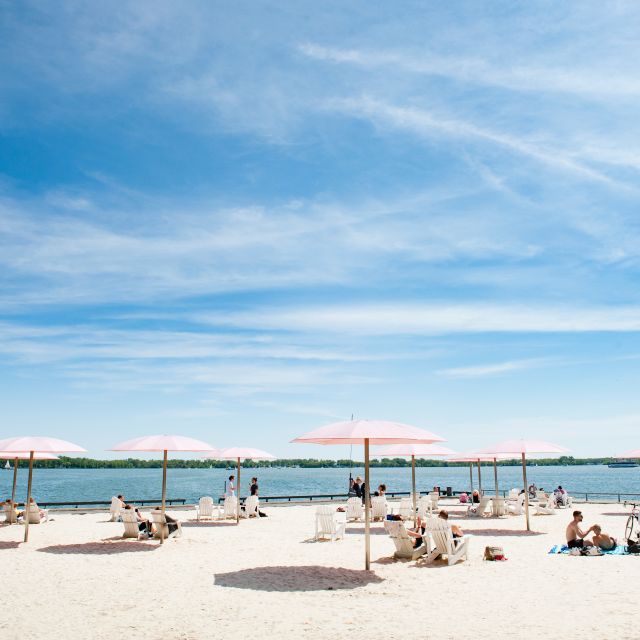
(77, 578)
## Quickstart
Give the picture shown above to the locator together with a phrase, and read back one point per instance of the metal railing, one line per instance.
(107, 503)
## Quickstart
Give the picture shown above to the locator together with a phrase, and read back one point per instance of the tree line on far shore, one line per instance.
(65, 462)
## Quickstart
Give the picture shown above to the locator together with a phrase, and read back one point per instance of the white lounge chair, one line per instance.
(403, 541)
(251, 508)
(116, 508)
(10, 515)
(548, 509)
(379, 508)
(444, 544)
(517, 508)
(355, 510)
(425, 507)
(406, 508)
(565, 502)
(329, 523)
(206, 509)
(476, 510)
(230, 507)
(131, 525)
(159, 521)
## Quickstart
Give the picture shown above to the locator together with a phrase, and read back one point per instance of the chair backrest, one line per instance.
(440, 531)
(251, 506)
(130, 521)
(230, 506)
(484, 503)
(551, 502)
(354, 508)
(205, 506)
(406, 507)
(325, 519)
(34, 514)
(541, 495)
(435, 496)
(378, 507)
(10, 514)
(116, 506)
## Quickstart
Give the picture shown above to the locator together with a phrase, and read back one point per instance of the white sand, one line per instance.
(77, 578)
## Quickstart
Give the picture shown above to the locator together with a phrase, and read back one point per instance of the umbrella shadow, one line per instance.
(296, 578)
(104, 547)
(504, 533)
(7, 544)
(207, 524)
(616, 513)
(374, 531)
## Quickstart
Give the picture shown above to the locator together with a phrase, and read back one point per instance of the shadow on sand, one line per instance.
(504, 533)
(104, 547)
(8, 544)
(305, 578)
(207, 523)
(376, 530)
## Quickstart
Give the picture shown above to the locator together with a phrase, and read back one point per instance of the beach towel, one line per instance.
(620, 550)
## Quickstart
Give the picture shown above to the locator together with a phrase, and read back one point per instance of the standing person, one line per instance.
(357, 487)
(231, 489)
(253, 487)
(575, 535)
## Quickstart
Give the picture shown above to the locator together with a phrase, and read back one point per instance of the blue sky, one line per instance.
(240, 222)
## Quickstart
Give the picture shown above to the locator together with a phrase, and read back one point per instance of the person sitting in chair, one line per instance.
(455, 529)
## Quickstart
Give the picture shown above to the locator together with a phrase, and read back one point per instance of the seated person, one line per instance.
(455, 529)
(561, 496)
(172, 523)
(144, 525)
(382, 490)
(475, 497)
(532, 490)
(602, 540)
(34, 507)
(575, 535)
(464, 498)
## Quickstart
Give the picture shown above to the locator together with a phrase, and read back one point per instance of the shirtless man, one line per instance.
(575, 535)
(602, 540)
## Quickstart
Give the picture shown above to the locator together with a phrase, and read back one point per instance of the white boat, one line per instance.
(7, 466)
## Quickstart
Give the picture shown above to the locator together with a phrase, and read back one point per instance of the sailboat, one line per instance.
(7, 466)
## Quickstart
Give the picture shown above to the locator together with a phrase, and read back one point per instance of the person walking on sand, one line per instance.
(575, 535)
(231, 490)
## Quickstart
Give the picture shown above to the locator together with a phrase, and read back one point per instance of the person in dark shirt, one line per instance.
(253, 487)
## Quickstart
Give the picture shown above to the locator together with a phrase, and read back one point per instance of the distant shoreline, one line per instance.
(65, 462)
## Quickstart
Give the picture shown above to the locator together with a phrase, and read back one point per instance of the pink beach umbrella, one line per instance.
(634, 453)
(415, 451)
(367, 432)
(165, 444)
(522, 448)
(238, 454)
(22, 455)
(36, 445)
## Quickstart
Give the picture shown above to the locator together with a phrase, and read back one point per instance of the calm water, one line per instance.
(58, 485)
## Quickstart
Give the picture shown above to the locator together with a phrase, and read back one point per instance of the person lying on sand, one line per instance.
(602, 540)
(575, 535)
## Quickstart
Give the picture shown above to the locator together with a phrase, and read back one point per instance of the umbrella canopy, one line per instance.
(22, 455)
(634, 453)
(523, 447)
(367, 432)
(164, 443)
(241, 453)
(415, 450)
(33, 445)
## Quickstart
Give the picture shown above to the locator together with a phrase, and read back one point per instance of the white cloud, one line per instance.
(485, 370)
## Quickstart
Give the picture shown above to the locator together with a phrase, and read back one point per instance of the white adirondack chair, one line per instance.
(565, 503)
(541, 496)
(476, 510)
(355, 510)
(159, 521)
(379, 508)
(513, 495)
(230, 507)
(116, 508)
(403, 541)
(36, 514)
(250, 508)
(10, 516)
(131, 526)
(444, 544)
(517, 508)
(425, 507)
(406, 508)
(548, 509)
(206, 509)
(435, 496)
(329, 523)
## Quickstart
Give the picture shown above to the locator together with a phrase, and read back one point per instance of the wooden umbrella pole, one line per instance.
(479, 479)
(367, 515)
(471, 475)
(15, 481)
(238, 495)
(164, 493)
(413, 483)
(526, 492)
(495, 477)
(27, 504)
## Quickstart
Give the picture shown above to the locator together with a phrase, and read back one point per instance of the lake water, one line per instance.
(58, 485)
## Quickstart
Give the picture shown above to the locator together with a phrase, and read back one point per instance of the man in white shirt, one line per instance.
(231, 489)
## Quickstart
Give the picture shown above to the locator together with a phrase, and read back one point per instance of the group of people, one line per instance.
(358, 488)
(577, 537)
(9, 505)
(230, 487)
(146, 526)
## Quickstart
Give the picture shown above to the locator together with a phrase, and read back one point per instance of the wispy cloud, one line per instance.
(485, 370)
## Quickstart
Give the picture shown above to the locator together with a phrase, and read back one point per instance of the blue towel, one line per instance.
(620, 550)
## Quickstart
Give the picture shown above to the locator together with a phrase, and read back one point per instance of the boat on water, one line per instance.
(7, 466)
(623, 464)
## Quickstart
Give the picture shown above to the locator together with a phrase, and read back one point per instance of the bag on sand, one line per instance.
(633, 546)
(494, 553)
